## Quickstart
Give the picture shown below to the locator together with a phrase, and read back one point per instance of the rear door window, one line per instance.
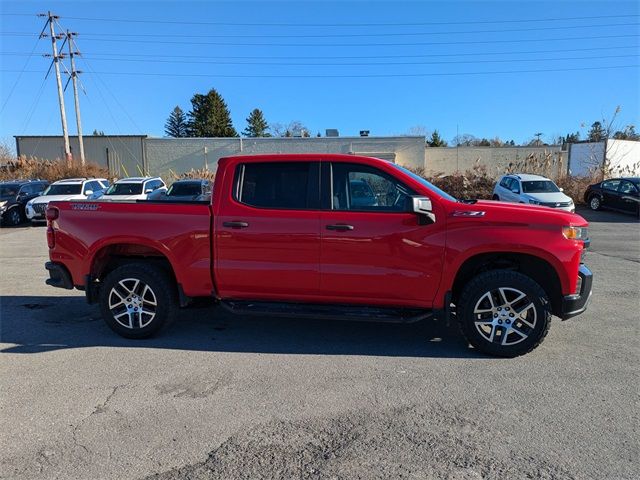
(278, 185)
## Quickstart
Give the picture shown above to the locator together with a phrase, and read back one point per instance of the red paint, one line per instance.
(387, 259)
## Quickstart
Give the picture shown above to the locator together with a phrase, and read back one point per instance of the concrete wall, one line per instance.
(166, 155)
(623, 157)
(585, 158)
(447, 160)
(129, 155)
(119, 153)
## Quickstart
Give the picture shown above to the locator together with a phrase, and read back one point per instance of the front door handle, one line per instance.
(235, 224)
(340, 227)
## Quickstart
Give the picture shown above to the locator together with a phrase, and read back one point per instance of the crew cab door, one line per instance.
(267, 233)
(374, 250)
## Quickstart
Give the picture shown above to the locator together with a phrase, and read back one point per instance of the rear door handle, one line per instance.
(235, 224)
(340, 227)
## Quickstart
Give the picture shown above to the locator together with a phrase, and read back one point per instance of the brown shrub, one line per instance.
(31, 168)
(195, 173)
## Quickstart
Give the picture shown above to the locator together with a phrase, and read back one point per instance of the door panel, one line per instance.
(380, 256)
(628, 200)
(266, 250)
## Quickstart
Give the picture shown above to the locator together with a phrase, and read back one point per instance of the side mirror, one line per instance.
(561, 189)
(515, 190)
(423, 207)
(88, 192)
(148, 190)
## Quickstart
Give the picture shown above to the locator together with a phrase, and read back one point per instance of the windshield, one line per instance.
(184, 189)
(70, 189)
(125, 189)
(539, 186)
(8, 190)
(426, 183)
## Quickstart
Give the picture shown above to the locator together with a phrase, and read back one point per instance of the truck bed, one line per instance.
(87, 232)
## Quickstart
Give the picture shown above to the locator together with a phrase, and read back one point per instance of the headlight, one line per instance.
(2, 204)
(534, 202)
(575, 233)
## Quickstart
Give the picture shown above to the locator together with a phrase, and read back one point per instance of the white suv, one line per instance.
(132, 188)
(532, 189)
(67, 189)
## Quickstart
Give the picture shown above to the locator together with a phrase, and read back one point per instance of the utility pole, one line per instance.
(63, 116)
(74, 81)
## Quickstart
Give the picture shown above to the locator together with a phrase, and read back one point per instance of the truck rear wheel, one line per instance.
(137, 300)
(504, 313)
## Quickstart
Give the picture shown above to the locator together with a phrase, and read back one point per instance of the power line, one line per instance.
(281, 24)
(457, 62)
(375, 75)
(411, 44)
(343, 35)
(344, 57)
(24, 67)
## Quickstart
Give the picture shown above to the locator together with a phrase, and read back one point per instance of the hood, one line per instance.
(56, 198)
(548, 197)
(520, 213)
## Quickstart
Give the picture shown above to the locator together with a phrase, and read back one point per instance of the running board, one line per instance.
(327, 312)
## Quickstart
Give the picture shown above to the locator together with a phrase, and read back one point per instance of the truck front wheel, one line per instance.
(137, 300)
(504, 313)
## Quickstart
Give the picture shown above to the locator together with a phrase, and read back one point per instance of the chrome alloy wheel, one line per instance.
(132, 303)
(594, 203)
(505, 316)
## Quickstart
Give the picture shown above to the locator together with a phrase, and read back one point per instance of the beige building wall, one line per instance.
(178, 155)
(122, 154)
(447, 160)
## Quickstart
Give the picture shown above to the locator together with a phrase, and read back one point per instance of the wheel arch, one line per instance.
(537, 268)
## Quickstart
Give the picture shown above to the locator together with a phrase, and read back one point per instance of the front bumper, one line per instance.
(573, 305)
(59, 276)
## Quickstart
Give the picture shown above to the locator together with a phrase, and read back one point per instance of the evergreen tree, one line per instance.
(256, 124)
(596, 133)
(436, 140)
(176, 125)
(210, 117)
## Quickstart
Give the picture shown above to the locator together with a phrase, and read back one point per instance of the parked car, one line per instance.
(621, 194)
(132, 188)
(188, 190)
(533, 190)
(14, 196)
(67, 189)
(274, 241)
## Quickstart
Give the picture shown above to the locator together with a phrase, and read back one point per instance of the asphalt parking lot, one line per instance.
(227, 397)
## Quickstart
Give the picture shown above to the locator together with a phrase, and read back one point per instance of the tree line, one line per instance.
(209, 116)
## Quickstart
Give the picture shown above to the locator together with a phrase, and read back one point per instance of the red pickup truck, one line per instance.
(327, 236)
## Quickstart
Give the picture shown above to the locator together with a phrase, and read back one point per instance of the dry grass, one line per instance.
(31, 168)
(478, 184)
(195, 173)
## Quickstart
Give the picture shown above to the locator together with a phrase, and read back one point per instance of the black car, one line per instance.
(621, 194)
(14, 196)
(191, 190)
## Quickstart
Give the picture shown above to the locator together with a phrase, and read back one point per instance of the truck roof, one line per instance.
(303, 157)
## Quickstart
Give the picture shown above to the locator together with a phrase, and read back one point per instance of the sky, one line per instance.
(509, 69)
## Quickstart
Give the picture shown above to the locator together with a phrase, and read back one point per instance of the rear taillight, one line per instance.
(52, 213)
(51, 236)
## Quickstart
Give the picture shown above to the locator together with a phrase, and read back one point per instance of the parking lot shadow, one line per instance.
(606, 216)
(35, 324)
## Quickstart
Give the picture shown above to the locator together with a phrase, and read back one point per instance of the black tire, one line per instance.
(525, 321)
(495, 197)
(595, 202)
(141, 324)
(13, 217)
